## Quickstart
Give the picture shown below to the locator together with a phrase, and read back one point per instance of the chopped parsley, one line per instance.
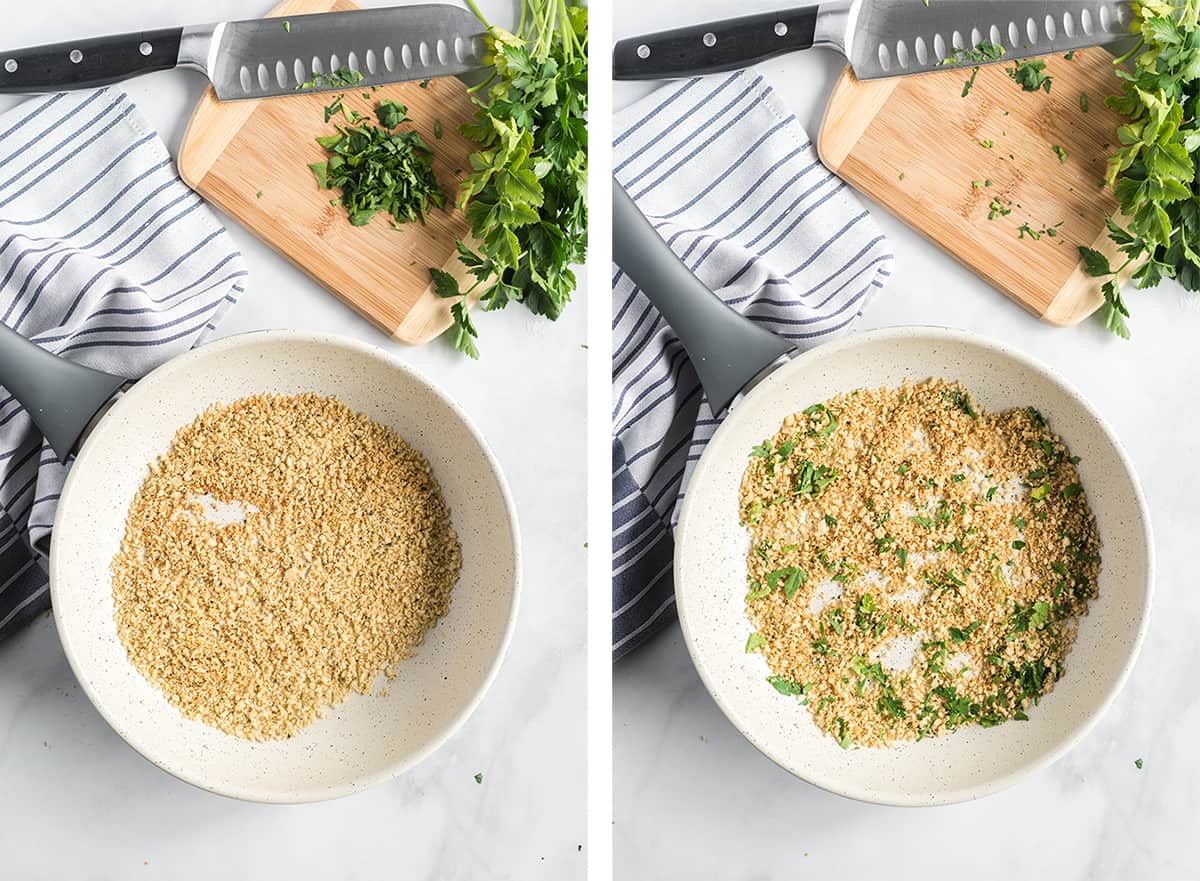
(821, 411)
(380, 170)
(813, 479)
(792, 578)
(1030, 75)
(963, 634)
(783, 685)
(342, 78)
(961, 400)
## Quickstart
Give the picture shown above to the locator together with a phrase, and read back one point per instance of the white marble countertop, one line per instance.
(693, 800)
(76, 802)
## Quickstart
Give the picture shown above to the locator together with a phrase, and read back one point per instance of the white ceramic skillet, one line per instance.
(734, 359)
(363, 741)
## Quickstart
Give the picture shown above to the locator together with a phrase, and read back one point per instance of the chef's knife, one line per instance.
(880, 37)
(267, 57)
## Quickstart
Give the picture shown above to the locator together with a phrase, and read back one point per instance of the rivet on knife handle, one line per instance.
(716, 47)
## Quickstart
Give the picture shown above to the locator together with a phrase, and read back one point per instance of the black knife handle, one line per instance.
(714, 47)
(82, 64)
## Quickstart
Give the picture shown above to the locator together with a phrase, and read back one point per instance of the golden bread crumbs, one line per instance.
(282, 554)
(916, 563)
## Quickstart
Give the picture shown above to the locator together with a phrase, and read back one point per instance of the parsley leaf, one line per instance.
(963, 634)
(341, 78)
(1030, 75)
(783, 685)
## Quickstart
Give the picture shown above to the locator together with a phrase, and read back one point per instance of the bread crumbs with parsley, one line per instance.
(285, 552)
(916, 564)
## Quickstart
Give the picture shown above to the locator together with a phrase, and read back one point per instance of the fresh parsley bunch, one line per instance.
(526, 196)
(1153, 172)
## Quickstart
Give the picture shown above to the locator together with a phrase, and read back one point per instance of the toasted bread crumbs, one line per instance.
(916, 563)
(283, 553)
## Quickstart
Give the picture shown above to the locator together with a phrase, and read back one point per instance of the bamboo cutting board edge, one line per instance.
(215, 125)
(849, 113)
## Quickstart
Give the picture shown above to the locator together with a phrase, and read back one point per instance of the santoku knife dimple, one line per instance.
(880, 37)
(267, 57)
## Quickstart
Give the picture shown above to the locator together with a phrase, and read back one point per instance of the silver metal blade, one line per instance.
(894, 37)
(277, 56)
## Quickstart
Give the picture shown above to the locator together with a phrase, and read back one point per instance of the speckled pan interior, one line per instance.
(710, 575)
(365, 740)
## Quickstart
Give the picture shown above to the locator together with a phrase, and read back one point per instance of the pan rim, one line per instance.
(360, 781)
(829, 783)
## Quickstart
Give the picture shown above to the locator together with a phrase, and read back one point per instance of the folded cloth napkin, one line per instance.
(107, 259)
(730, 179)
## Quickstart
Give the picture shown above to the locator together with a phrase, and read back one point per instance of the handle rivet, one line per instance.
(643, 51)
(76, 56)
(710, 39)
(11, 65)
(145, 48)
(780, 29)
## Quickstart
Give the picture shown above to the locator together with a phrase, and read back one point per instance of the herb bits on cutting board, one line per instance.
(251, 159)
(1007, 180)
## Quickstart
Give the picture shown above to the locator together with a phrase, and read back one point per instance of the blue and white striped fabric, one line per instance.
(106, 258)
(732, 182)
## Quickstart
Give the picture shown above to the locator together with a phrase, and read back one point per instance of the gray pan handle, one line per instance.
(60, 396)
(728, 350)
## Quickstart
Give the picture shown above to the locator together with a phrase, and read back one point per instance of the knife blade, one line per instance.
(880, 38)
(269, 57)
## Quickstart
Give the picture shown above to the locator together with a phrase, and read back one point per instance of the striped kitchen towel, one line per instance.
(106, 258)
(731, 180)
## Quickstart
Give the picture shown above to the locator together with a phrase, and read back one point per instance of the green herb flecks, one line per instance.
(1030, 75)
(390, 114)
(342, 78)
(791, 577)
(843, 739)
(821, 414)
(961, 400)
(813, 479)
(984, 51)
(1036, 234)
(783, 685)
(754, 642)
(964, 633)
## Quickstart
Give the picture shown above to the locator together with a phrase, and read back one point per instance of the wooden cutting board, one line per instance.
(250, 158)
(914, 144)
